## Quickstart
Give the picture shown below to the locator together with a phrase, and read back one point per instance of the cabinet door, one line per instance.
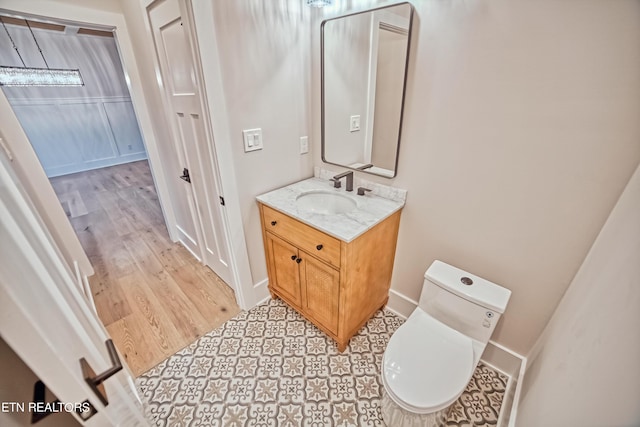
(320, 291)
(284, 269)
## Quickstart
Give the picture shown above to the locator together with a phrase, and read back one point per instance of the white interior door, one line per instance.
(44, 317)
(191, 137)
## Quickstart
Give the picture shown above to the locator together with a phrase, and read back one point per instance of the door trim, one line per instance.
(218, 135)
(212, 91)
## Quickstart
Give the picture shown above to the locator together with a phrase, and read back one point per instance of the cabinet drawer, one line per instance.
(308, 239)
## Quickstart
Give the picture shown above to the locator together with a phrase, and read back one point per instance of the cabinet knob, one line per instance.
(293, 257)
(319, 247)
(274, 222)
(299, 260)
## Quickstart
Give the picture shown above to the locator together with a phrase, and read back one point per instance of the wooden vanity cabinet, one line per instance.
(336, 285)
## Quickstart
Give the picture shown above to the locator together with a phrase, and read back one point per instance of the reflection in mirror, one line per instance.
(364, 62)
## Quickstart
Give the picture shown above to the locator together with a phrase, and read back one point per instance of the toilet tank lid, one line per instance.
(481, 292)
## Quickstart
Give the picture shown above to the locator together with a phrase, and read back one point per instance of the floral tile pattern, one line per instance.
(480, 403)
(270, 367)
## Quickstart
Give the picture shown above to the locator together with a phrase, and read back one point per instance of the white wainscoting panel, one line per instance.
(124, 127)
(41, 123)
(400, 304)
(74, 135)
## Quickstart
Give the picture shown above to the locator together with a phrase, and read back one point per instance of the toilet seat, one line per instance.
(427, 365)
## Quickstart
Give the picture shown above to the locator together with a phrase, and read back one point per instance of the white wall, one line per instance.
(95, 56)
(586, 370)
(520, 131)
(264, 70)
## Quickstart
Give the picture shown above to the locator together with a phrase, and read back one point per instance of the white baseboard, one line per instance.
(400, 304)
(187, 242)
(53, 172)
(516, 397)
(83, 286)
(503, 358)
(512, 364)
(89, 295)
(261, 291)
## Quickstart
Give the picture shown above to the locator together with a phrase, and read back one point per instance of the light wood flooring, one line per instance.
(152, 295)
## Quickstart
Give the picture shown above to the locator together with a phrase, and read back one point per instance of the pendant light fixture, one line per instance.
(31, 76)
(319, 3)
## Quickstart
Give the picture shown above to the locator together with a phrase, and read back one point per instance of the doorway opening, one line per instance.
(152, 295)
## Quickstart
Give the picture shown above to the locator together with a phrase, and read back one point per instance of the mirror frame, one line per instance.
(404, 85)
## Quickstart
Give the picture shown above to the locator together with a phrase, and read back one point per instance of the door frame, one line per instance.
(232, 217)
(192, 139)
(212, 91)
(217, 133)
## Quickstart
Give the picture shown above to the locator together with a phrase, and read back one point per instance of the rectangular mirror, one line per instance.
(364, 67)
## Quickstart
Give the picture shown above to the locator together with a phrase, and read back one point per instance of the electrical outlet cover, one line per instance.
(304, 144)
(354, 123)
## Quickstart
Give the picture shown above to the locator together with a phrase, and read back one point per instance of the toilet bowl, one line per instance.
(431, 358)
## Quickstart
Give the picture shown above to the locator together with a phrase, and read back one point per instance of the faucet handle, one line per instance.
(336, 183)
(362, 190)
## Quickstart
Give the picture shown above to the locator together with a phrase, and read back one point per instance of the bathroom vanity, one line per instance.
(330, 253)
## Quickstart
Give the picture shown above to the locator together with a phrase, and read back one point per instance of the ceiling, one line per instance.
(68, 29)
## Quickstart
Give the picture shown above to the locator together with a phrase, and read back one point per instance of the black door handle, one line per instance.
(298, 260)
(185, 175)
(95, 381)
(293, 257)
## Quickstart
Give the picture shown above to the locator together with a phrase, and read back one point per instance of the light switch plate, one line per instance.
(252, 139)
(304, 144)
(354, 123)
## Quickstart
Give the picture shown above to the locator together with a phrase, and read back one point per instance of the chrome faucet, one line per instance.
(349, 175)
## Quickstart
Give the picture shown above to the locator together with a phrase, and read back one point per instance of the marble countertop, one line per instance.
(371, 209)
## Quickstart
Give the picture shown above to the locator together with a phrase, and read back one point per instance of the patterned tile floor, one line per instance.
(270, 367)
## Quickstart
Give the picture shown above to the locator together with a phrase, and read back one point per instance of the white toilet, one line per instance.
(430, 359)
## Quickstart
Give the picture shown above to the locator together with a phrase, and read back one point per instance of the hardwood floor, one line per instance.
(152, 295)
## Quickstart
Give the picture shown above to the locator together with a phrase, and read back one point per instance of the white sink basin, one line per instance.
(325, 202)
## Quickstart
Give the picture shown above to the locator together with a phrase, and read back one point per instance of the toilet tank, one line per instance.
(463, 301)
